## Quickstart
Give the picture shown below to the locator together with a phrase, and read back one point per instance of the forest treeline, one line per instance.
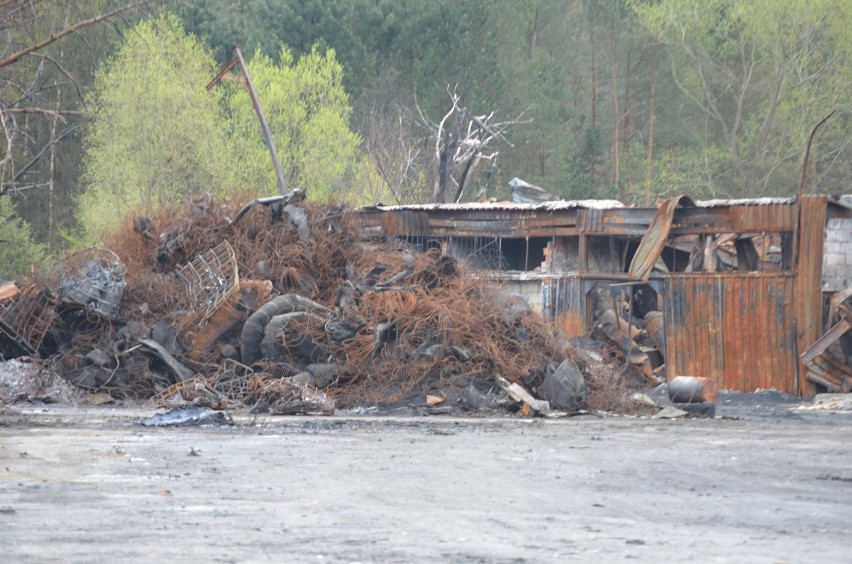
(625, 99)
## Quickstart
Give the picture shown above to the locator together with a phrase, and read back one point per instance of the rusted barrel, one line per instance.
(692, 389)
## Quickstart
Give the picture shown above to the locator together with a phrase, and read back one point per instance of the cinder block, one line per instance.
(834, 247)
(834, 259)
(832, 225)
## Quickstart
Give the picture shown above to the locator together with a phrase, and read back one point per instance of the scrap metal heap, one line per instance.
(285, 307)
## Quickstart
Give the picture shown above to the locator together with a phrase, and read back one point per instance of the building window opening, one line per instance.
(527, 254)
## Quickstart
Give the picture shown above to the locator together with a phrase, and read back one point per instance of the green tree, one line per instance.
(762, 73)
(308, 112)
(158, 136)
(19, 253)
(266, 25)
(395, 54)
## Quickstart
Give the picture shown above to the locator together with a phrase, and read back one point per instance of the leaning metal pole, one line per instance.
(246, 79)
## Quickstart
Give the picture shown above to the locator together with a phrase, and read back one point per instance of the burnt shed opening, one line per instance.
(524, 254)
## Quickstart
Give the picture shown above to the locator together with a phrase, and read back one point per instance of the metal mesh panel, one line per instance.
(231, 380)
(211, 278)
(26, 317)
(482, 253)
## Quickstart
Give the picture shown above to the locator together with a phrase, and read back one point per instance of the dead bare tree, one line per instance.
(53, 37)
(397, 155)
(463, 140)
(26, 28)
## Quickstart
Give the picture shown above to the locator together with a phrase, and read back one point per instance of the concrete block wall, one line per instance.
(529, 290)
(837, 253)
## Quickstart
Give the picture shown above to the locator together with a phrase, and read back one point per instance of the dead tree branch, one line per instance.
(14, 57)
(463, 145)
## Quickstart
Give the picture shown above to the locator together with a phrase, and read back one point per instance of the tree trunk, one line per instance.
(594, 79)
(592, 167)
(51, 182)
(626, 128)
(652, 100)
(613, 45)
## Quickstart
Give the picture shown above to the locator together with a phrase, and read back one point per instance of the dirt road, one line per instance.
(94, 486)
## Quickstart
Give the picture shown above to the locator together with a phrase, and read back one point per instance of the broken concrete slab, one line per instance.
(670, 412)
(27, 379)
(519, 394)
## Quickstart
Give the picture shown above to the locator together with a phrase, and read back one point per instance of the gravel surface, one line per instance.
(93, 485)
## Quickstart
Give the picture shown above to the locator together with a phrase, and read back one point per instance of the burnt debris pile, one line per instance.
(287, 307)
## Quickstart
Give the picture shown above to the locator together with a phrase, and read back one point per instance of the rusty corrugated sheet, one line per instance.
(654, 240)
(771, 217)
(589, 221)
(809, 276)
(503, 225)
(405, 222)
(564, 302)
(738, 330)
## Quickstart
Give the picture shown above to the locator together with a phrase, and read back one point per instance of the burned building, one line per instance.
(735, 290)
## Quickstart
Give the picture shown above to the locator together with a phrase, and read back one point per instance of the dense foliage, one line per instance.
(308, 113)
(157, 136)
(19, 253)
(624, 98)
(160, 138)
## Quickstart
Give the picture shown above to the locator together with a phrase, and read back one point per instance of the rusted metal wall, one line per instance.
(743, 329)
(778, 217)
(809, 278)
(564, 301)
(737, 329)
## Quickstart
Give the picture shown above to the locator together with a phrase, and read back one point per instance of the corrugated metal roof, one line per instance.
(585, 204)
(843, 203)
(744, 202)
(503, 206)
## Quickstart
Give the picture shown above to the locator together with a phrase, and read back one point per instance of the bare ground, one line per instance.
(92, 485)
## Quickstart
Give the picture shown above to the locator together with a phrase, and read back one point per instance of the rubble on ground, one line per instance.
(25, 379)
(286, 308)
